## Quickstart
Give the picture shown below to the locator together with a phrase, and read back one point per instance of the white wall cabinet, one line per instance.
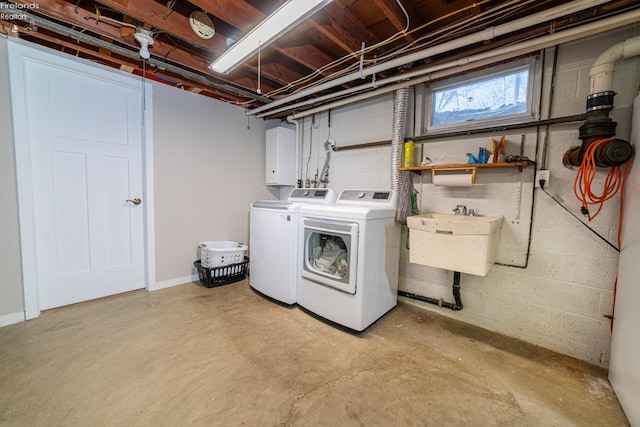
(280, 156)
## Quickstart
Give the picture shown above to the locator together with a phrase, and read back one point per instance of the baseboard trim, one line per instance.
(173, 282)
(10, 319)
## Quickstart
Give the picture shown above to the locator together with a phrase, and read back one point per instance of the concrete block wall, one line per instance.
(562, 287)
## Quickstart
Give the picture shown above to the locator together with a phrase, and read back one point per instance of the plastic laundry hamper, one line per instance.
(220, 253)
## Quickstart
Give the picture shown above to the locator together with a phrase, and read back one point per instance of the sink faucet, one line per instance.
(460, 210)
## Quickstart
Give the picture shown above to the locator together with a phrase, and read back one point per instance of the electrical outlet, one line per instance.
(542, 174)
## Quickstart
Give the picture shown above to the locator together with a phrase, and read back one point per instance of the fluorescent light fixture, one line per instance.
(278, 23)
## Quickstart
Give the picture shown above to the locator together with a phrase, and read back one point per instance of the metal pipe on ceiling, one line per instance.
(61, 29)
(479, 37)
(474, 61)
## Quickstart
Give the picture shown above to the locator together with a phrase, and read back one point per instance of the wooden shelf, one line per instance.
(466, 166)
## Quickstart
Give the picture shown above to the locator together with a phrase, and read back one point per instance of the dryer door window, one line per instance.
(330, 253)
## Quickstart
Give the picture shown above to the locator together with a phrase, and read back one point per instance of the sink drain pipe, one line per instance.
(439, 302)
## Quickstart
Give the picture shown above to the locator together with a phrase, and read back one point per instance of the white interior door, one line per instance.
(84, 134)
(624, 368)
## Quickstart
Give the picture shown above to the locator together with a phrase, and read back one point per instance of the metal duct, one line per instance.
(400, 102)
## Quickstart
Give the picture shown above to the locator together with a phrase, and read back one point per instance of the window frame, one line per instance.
(533, 64)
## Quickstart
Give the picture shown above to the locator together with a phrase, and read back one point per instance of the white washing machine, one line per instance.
(274, 240)
(349, 258)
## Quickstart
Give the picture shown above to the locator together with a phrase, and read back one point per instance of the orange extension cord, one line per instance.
(614, 183)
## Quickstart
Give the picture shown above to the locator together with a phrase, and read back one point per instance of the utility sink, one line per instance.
(468, 244)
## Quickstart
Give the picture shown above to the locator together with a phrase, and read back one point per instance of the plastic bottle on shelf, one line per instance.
(409, 146)
(482, 155)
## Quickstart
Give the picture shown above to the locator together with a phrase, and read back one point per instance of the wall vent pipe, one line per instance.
(601, 73)
(598, 125)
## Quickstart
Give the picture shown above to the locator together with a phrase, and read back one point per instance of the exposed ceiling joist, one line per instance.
(396, 16)
(296, 64)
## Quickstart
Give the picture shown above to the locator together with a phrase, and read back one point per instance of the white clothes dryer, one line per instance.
(274, 240)
(349, 258)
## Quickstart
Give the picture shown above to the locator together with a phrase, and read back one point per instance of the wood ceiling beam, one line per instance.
(104, 50)
(342, 27)
(395, 15)
(79, 17)
(278, 71)
(476, 9)
(128, 65)
(237, 13)
(245, 17)
(67, 46)
(307, 54)
(152, 13)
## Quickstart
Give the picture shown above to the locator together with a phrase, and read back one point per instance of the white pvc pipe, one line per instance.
(601, 72)
(485, 58)
(356, 98)
(298, 143)
(483, 36)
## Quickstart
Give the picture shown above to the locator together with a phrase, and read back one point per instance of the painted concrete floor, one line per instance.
(228, 357)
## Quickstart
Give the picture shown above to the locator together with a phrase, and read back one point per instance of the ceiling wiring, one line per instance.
(358, 53)
(450, 31)
(495, 14)
(444, 32)
(175, 46)
(366, 50)
(396, 32)
(169, 8)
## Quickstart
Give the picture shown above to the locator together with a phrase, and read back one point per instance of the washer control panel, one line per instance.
(312, 194)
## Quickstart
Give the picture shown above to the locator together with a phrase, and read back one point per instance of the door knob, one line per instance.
(135, 201)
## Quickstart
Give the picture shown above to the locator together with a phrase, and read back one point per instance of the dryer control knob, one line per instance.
(361, 194)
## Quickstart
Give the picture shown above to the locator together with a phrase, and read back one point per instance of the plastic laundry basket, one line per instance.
(219, 253)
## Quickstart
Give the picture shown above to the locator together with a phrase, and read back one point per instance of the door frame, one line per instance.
(20, 50)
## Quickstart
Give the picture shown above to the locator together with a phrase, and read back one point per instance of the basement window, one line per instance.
(493, 97)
